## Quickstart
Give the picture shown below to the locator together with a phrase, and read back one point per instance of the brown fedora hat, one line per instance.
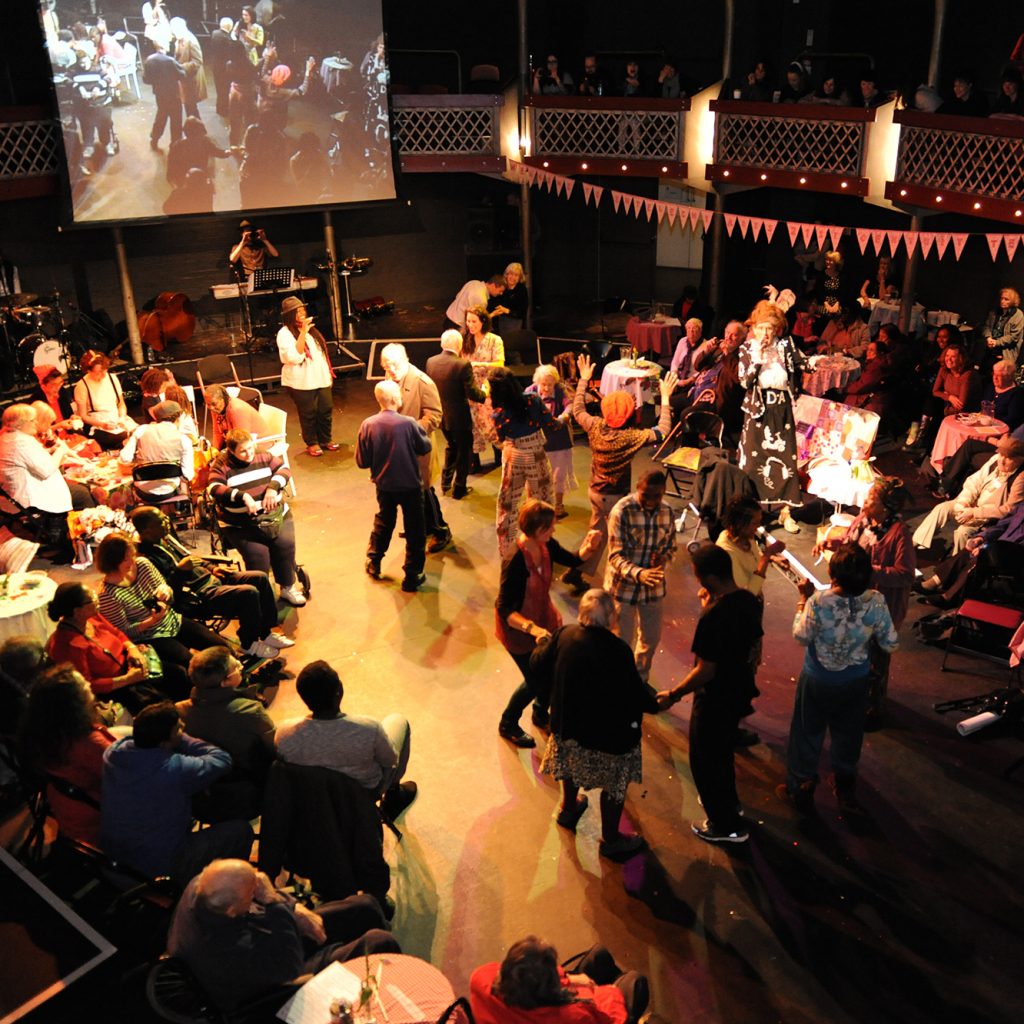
(292, 303)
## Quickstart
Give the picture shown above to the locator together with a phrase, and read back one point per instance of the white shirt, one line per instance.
(31, 475)
(304, 372)
(160, 442)
(472, 293)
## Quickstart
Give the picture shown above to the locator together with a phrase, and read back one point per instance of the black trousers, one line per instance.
(176, 653)
(249, 598)
(411, 504)
(598, 963)
(433, 517)
(969, 457)
(522, 695)
(168, 108)
(712, 764)
(457, 458)
(355, 926)
(261, 554)
(315, 408)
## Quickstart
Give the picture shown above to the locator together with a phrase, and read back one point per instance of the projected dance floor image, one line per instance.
(274, 106)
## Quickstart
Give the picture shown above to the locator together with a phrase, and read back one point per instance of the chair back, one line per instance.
(460, 1012)
(701, 429)
(156, 471)
(277, 423)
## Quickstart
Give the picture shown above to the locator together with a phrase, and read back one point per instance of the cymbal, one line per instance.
(18, 299)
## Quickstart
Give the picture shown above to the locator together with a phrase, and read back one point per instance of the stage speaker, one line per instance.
(481, 229)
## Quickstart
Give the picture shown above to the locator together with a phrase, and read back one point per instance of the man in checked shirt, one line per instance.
(642, 541)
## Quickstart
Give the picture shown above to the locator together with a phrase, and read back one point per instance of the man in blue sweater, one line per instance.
(148, 784)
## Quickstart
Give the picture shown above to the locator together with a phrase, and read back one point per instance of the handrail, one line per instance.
(804, 111)
(1005, 127)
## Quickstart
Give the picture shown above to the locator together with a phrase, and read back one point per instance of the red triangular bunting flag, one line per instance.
(878, 240)
(598, 192)
(995, 243)
(649, 207)
(835, 233)
(616, 199)
(794, 229)
(730, 222)
(588, 191)
(570, 183)
(894, 240)
(769, 228)
(820, 234)
(863, 234)
(661, 207)
(755, 226)
(910, 241)
(941, 242)
(706, 215)
(672, 209)
(559, 184)
(807, 233)
(1011, 242)
(531, 175)
(744, 225)
(627, 202)
(927, 241)
(697, 214)
(959, 241)
(547, 179)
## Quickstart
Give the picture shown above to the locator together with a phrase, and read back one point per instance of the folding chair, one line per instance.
(177, 505)
(983, 630)
(276, 441)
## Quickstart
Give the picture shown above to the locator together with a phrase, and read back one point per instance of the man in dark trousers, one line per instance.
(221, 51)
(163, 73)
(389, 445)
(453, 376)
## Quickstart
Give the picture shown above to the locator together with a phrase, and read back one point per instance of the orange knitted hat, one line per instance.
(617, 407)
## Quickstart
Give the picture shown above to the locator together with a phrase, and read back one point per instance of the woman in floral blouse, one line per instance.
(486, 351)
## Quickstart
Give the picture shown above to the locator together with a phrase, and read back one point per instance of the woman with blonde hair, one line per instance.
(558, 444)
(510, 307)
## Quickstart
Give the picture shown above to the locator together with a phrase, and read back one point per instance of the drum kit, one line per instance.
(33, 333)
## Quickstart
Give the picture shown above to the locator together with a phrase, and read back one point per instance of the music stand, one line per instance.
(272, 279)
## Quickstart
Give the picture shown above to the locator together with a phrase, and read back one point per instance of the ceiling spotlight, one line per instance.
(938, 199)
(903, 191)
(584, 166)
(624, 167)
(764, 177)
(1016, 213)
(842, 184)
(725, 174)
(664, 170)
(803, 181)
(977, 206)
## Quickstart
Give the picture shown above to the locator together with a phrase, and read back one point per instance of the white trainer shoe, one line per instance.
(259, 649)
(293, 596)
(278, 640)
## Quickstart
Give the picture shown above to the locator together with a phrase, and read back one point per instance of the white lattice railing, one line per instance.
(788, 139)
(982, 157)
(447, 125)
(28, 149)
(609, 129)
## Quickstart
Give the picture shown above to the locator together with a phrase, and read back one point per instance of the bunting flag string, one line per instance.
(751, 227)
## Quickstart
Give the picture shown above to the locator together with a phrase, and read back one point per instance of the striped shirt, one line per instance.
(637, 540)
(231, 480)
(124, 605)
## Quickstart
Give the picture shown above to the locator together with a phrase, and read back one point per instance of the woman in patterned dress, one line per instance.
(770, 371)
(486, 351)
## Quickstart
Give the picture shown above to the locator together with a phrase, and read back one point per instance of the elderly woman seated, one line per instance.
(231, 414)
(988, 495)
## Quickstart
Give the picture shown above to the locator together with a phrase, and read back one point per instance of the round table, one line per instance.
(954, 430)
(830, 372)
(641, 381)
(23, 605)
(331, 71)
(659, 336)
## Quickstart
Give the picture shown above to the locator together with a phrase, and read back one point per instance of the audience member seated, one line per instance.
(231, 414)
(154, 383)
(374, 754)
(965, 101)
(830, 93)
(796, 87)
(870, 95)
(759, 83)
(957, 389)
(1004, 328)
(547, 81)
(187, 423)
(711, 361)
(99, 402)
(846, 333)
(1010, 102)
(206, 590)
(668, 80)
(927, 99)
(161, 441)
(807, 324)
(242, 938)
(870, 390)
(149, 781)
(989, 494)
(529, 985)
(229, 715)
(53, 390)
(904, 354)
(632, 85)
(63, 741)
(969, 457)
(690, 304)
(594, 81)
(22, 659)
(882, 287)
(1005, 394)
(136, 600)
(248, 487)
(113, 666)
(682, 358)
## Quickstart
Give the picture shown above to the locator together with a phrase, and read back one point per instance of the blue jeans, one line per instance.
(820, 705)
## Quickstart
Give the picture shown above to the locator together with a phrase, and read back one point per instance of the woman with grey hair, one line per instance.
(598, 701)
(558, 439)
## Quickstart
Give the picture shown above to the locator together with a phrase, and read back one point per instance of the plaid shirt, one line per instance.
(637, 540)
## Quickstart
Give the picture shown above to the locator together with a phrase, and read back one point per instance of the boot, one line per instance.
(912, 435)
(922, 433)
(560, 512)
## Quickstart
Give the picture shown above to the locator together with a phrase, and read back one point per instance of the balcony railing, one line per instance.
(29, 153)
(967, 164)
(790, 145)
(448, 133)
(643, 136)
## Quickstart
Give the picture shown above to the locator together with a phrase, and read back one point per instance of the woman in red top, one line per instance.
(109, 661)
(529, 987)
(231, 414)
(62, 739)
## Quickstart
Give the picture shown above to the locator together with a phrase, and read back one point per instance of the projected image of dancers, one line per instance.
(277, 104)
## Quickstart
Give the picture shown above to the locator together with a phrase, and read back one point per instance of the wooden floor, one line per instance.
(912, 917)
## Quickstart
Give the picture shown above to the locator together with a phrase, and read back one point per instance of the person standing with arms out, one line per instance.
(725, 641)
(389, 445)
(307, 375)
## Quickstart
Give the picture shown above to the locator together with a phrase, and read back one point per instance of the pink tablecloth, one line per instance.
(652, 336)
(954, 431)
(830, 372)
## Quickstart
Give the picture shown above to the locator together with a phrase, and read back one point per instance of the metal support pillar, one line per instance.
(334, 296)
(908, 292)
(128, 299)
(938, 31)
(525, 233)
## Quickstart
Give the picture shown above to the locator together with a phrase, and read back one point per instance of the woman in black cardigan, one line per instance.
(598, 701)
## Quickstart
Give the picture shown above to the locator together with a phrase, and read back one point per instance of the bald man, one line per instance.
(242, 937)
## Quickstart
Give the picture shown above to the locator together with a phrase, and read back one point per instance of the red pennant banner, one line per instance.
(616, 199)
(756, 224)
(910, 241)
(959, 241)
(995, 243)
(863, 234)
(794, 229)
(588, 191)
(531, 175)
(1011, 242)
(835, 233)
(730, 222)
(598, 192)
(559, 184)
(549, 180)
(744, 225)
(696, 214)
(807, 233)
(927, 241)
(649, 207)
(942, 242)
(820, 234)
(769, 228)
(878, 240)
(894, 240)
(661, 207)
(705, 216)
(672, 209)
(569, 185)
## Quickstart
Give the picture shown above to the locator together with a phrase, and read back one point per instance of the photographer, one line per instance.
(548, 82)
(252, 249)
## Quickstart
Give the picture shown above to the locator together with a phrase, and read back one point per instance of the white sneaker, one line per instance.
(278, 640)
(259, 649)
(293, 596)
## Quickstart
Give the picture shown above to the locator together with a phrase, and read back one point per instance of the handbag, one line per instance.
(269, 523)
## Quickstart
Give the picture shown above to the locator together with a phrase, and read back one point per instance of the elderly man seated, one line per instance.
(989, 494)
(242, 938)
(161, 441)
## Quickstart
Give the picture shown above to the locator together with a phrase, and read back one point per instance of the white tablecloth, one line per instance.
(830, 372)
(640, 381)
(23, 606)
(889, 313)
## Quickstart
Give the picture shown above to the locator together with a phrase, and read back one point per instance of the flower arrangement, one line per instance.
(91, 525)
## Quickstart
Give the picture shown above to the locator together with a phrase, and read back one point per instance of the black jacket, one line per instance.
(453, 376)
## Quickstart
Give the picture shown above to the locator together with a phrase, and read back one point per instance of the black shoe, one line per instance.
(516, 736)
(446, 486)
(373, 568)
(439, 542)
(540, 717)
(745, 738)
(413, 583)
(475, 466)
(574, 579)
(570, 817)
(459, 494)
(706, 831)
(398, 798)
